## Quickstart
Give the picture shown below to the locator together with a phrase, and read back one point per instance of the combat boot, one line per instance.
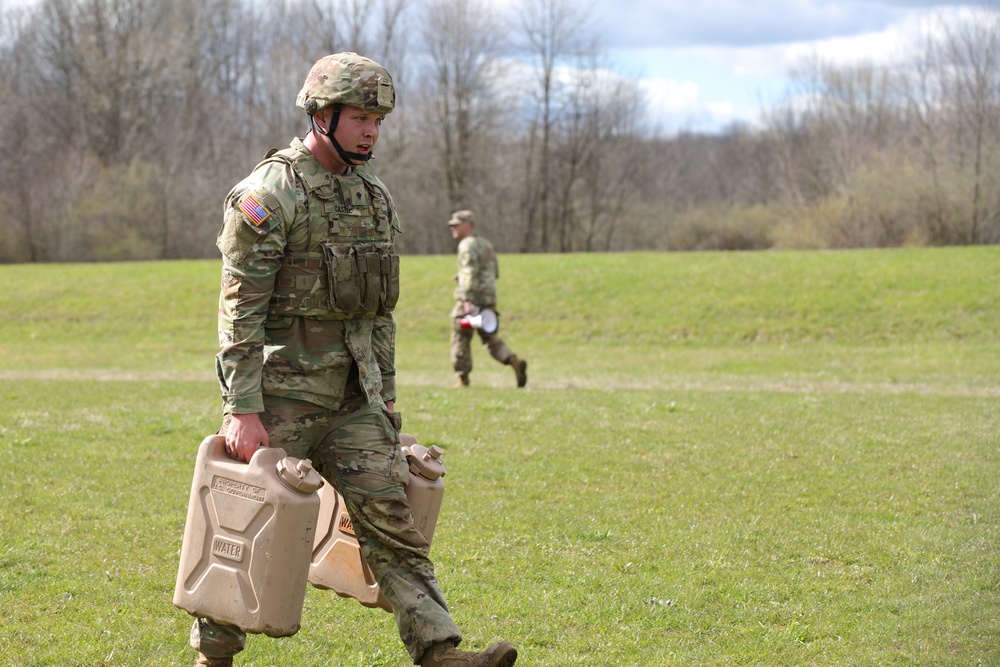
(463, 380)
(520, 370)
(205, 661)
(501, 654)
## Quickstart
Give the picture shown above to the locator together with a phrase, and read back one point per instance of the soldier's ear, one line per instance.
(322, 118)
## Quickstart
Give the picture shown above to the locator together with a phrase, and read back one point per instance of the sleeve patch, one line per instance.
(237, 239)
(255, 211)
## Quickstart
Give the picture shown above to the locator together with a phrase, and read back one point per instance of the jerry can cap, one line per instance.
(299, 474)
(425, 461)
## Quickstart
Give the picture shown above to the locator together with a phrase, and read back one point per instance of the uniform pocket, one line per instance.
(395, 420)
(370, 274)
(345, 285)
(390, 278)
(274, 322)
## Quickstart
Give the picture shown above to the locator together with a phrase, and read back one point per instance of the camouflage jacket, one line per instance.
(478, 271)
(286, 226)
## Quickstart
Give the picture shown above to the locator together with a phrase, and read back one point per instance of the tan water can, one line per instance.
(248, 539)
(337, 561)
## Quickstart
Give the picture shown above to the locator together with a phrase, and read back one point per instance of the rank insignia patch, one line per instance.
(254, 210)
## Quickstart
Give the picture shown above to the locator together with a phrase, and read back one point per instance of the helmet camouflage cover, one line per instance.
(347, 78)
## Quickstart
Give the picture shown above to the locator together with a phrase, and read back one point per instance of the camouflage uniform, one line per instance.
(307, 336)
(478, 271)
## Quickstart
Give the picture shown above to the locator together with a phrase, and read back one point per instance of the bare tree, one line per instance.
(972, 84)
(595, 155)
(920, 86)
(14, 136)
(554, 32)
(843, 116)
(463, 46)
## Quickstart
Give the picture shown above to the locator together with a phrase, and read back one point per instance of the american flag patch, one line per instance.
(254, 210)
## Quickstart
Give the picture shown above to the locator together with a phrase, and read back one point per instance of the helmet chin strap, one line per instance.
(348, 157)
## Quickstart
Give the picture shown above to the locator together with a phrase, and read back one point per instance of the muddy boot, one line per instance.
(462, 381)
(205, 661)
(501, 654)
(520, 370)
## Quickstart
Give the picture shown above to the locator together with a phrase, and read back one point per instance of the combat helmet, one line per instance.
(346, 78)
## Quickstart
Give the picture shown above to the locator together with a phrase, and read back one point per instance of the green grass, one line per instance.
(773, 459)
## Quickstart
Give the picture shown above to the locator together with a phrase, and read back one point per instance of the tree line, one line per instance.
(125, 122)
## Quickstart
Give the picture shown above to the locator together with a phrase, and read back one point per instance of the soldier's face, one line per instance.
(461, 230)
(357, 130)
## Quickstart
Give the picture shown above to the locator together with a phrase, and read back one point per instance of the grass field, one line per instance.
(774, 459)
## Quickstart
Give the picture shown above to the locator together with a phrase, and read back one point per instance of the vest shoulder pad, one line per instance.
(272, 183)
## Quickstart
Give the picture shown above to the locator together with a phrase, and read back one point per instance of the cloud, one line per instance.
(739, 23)
(706, 87)
(704, 65)
(893, 43)
(680, 105)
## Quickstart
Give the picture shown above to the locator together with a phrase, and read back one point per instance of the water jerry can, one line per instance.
(248, 539)
(337, 561)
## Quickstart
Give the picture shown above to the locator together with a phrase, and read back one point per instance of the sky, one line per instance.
(704, 64)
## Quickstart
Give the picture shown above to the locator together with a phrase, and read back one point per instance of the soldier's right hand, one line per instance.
(246, 434)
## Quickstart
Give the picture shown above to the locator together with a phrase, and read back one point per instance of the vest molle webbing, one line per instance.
(350, 270)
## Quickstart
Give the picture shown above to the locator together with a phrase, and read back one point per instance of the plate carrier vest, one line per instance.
(349, 270)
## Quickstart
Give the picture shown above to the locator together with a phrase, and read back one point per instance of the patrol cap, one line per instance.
(458, 217)
(347, 78)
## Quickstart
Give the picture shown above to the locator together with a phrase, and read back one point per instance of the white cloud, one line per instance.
(710, 86)
(673, 97)
(739, 23)
(681, 105)
(777, 60)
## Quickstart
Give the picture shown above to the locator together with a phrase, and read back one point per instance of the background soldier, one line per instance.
(478, 271)
(309, 282)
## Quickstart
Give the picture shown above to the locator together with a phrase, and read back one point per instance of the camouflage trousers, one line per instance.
(358, 452)
(461, 344)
